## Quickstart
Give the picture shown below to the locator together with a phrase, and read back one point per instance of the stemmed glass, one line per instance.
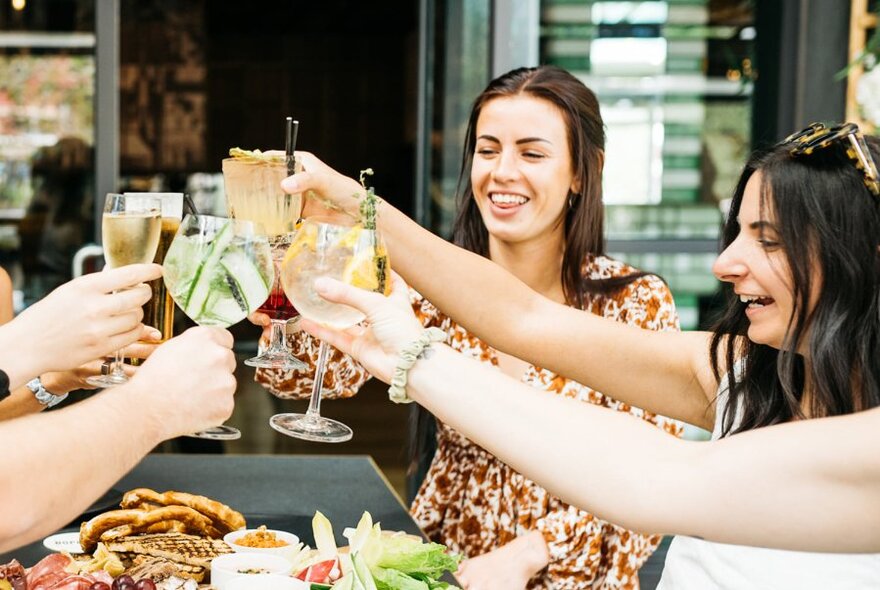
(130, 234)
(253, 192)
(218, 271)
(350, 253)
(280, 310)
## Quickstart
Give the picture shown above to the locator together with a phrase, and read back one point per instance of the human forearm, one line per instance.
(21, 402)
(625, 362)
(48, 484)
(753, 488)
(19, 357)
(534, 434)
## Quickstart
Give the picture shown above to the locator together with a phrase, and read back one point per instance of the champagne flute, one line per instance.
(253, 192)
(130, 234)
(325, 248)
(218, 271)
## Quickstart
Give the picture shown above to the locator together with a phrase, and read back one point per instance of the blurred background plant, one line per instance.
(865, 67)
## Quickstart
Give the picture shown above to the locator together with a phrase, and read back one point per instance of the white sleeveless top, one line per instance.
(692, 564)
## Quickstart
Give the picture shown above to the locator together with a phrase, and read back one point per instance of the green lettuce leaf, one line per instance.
(408, 555)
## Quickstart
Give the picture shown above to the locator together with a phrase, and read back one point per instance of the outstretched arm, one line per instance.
(55, 464)
(753, 488)
(624, 362)
(82, 320)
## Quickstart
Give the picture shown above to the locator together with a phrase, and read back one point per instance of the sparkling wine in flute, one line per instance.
(130, 238)
(130, 231)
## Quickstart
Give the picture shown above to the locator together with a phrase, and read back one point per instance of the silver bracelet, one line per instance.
(42, 394)
(418, 348)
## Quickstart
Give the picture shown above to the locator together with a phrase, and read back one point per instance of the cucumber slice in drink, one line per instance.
(201, 284)
(221, 309)
(246, 278)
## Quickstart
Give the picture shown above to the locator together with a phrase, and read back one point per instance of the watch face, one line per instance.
(4, 385)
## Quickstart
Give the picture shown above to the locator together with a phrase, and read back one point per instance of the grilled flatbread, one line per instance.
(176, 547)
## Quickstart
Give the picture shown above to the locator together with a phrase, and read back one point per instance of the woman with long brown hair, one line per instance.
(529, 199)
(788, 381)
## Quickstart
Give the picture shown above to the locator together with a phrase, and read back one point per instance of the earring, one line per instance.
(571, 197)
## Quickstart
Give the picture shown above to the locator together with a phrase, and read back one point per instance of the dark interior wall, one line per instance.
(345, 69)
(800, 47)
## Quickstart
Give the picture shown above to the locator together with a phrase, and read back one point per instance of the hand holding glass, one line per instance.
(348, 253)
(130, 234)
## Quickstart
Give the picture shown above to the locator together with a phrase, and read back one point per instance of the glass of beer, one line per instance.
(159, 310)
(252, 182)
(130, 231)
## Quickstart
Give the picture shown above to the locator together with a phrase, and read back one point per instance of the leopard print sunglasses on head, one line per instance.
(817, 136)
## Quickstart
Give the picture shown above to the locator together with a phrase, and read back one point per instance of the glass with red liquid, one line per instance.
(279, 309)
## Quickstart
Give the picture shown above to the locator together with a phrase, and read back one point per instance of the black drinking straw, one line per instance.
(189, 204)
(290, 145)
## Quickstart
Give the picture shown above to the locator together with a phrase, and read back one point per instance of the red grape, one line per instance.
(145, 584)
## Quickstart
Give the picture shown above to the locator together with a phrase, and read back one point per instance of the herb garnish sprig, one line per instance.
(369, 206)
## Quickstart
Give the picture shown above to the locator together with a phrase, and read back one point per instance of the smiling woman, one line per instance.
(529, 199)
(788, 380)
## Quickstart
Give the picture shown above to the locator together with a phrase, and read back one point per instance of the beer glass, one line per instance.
(159, 310)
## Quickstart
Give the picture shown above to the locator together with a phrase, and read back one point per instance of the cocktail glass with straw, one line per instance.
(253, 192)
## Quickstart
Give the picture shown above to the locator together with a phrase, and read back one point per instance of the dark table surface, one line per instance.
(280, 491)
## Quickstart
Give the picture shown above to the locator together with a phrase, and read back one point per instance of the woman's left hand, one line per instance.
(510, 567)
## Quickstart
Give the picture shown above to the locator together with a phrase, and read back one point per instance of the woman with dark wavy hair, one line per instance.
(788, 382)
(530, 200)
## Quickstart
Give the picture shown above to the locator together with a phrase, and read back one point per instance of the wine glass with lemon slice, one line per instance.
(349, 253)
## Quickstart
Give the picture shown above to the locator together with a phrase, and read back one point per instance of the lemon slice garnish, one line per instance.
(306, 237)
(360, 271)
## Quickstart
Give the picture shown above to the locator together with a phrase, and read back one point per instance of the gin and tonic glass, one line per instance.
(218, 271)
(350, 253)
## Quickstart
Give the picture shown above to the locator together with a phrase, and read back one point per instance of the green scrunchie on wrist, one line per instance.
(408, 357)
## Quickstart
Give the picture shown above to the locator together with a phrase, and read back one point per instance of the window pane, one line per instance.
(47, 84)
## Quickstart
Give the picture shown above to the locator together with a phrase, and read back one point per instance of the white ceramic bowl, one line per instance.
(225, 568)
(266, 582)
(289, 551)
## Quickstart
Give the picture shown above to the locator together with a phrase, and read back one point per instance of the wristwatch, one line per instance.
(44, 397)
(4, 385)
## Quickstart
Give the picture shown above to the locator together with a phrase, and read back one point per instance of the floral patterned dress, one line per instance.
(470, 500)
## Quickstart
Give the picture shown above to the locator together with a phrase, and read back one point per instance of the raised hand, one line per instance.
(391, 324)
(87, 318)
(59, 382)
(327, 192)
(188, 381)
